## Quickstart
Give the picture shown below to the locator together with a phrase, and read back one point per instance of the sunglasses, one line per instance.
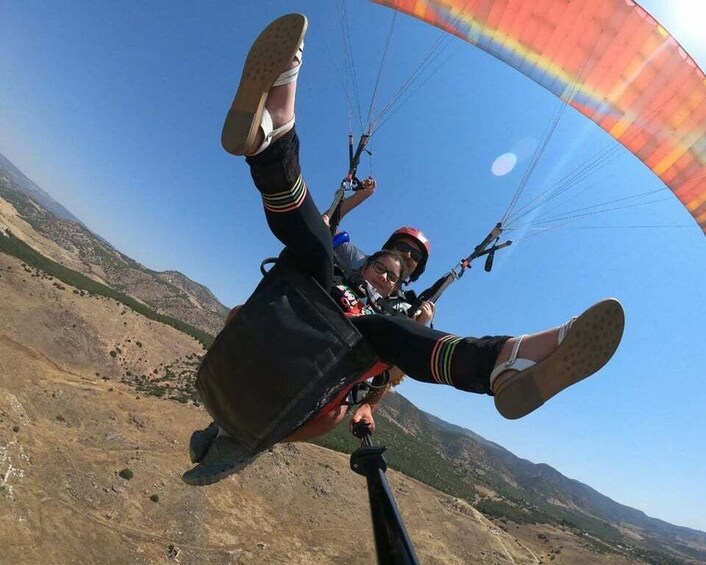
(404, 247)
(381, 269)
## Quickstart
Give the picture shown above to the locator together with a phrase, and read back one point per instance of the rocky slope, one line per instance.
(516, 488)
(79, 371)
(31, 214)
(68, 427)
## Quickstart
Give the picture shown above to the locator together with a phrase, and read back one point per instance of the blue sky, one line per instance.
(116, 110)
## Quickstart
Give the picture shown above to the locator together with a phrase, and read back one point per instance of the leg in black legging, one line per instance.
(432, 356)
(291, 212)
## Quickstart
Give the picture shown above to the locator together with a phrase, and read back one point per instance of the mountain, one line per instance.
(512, 490)
(96, 409)
(548, 484)
(547, 490)
(53, 231)
(22, 183)
(95, 377)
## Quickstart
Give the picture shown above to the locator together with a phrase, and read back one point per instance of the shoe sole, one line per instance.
(270, 55)
(589, 344)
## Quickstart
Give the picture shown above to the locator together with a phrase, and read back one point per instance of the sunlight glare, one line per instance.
(504, 164)
(689, 17)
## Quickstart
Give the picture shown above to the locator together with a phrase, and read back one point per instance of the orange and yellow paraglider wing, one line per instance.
(611, 61)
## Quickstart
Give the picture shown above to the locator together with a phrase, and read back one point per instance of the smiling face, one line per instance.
(384, 273)
(411, 252)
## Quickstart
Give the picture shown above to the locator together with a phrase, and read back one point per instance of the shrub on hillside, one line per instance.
(126, 474)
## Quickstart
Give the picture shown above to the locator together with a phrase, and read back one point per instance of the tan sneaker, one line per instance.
(248, 127)
(585, 345)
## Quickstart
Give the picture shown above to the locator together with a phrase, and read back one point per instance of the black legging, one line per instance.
(424, 354)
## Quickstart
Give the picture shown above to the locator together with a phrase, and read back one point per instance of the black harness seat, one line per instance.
(286, 355)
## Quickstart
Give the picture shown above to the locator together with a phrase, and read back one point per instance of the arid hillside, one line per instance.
(97, 363)
(69, 426)
(70, 243)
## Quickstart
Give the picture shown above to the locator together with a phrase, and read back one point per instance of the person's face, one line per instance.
(411, 252)
(384, 274)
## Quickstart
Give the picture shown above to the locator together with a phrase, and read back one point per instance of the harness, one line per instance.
(288, 355)
(378, 376)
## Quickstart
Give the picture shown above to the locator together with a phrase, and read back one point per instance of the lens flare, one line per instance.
(504, 164)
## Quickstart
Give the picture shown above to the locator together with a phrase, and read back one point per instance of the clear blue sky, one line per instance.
(116, 110)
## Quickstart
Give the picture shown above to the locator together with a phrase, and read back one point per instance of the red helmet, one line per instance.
(420, 238)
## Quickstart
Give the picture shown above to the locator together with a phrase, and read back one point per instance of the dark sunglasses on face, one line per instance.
(404, 247)
(381, 269)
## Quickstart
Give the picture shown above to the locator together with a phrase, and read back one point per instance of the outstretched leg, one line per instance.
(521, 372)
(290, 210)
(260, 125)
(432, 356)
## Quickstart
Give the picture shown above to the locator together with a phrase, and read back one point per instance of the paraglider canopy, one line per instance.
(608, 59)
